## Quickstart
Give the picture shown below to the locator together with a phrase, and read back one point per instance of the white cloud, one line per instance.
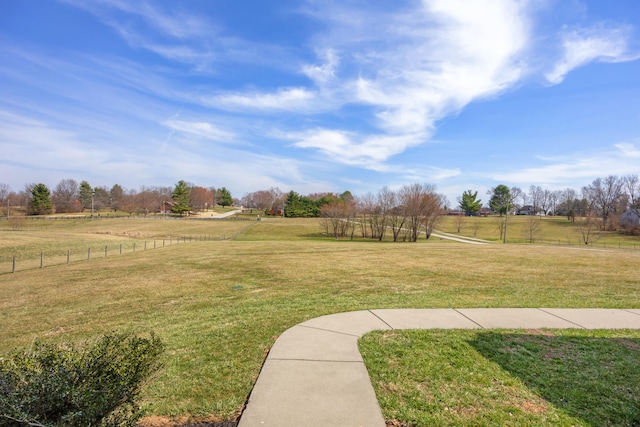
(201, 129)
(412, 68)
(620, 160)
(586, 45)
(324, 73)
(628, 149)
(285, 99)
(369, 151)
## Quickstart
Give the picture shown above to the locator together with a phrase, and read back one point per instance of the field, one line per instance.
(220, 304)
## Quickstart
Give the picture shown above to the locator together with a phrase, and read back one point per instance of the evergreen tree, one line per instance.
(297, 206)
(116, 195)
(85, 194)
(40, 200)
(500, 199)
(469, 203)
(180, 197)
(224, 197)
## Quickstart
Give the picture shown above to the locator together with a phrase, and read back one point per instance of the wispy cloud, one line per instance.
(411, 68)
(297, 99)
(203, 130)
(351, 148)
(585, 45)
(175, 34)
(620, 159)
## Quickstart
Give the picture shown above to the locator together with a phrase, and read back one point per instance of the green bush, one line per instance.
(96, 383)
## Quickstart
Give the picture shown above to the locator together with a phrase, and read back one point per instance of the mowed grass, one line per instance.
(53, 239)
(550, 230)
(220, 305)
(506, 377)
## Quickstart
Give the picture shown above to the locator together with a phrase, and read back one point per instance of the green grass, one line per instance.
(554, 230)
(54, 238)
(220, 305)
(507, 378)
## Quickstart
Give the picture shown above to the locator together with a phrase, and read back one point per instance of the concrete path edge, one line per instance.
(314, 375)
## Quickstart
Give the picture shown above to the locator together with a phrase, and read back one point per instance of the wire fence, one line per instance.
(577, 243)
(77, 254)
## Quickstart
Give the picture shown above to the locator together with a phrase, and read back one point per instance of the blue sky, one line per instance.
(316, 96)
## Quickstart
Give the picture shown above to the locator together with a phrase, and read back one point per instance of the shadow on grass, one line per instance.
(590, 378)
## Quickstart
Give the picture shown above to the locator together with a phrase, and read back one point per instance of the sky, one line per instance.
(319, 95)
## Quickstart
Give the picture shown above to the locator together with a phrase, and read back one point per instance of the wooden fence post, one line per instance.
(13, 269)
(41, 259)
(68, 255)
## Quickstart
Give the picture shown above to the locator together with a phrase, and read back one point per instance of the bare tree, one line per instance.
(397, 220)
(128, 201)
(148, 199)
(366, 207)
(554, 199)
(338, 218)
(516, 193)
(536, 195)
(459, 221)
(386, 203)
(602, 196)
(632, 186)
(475, 225)
(532, 230)
(432, 207)
(410, 198)
(422, 207)
(589, 229)
(5, 190)
(200, 198)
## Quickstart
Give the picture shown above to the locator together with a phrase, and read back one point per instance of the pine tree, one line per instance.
(180, 197)
(501, 201)
(85, 194)
(224, 197)
(469, 203)
(40, 200)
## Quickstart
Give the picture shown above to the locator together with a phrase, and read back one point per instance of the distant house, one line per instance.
(527, 210)
(630, 218)
(166, 207)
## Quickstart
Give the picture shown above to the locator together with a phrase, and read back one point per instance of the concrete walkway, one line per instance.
(314, 374)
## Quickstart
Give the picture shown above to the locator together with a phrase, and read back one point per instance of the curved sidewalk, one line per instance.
(314, 374)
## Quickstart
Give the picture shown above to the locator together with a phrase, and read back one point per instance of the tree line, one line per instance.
(609, 203)
(69, 196)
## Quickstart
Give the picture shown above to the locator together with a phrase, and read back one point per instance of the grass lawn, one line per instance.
(506, 377)
(551, 230)
(219, 305)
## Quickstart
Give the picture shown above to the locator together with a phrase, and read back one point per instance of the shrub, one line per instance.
(96, 383)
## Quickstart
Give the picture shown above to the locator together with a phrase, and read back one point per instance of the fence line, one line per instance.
(127, 217)
(87, 255)
(578, 243)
